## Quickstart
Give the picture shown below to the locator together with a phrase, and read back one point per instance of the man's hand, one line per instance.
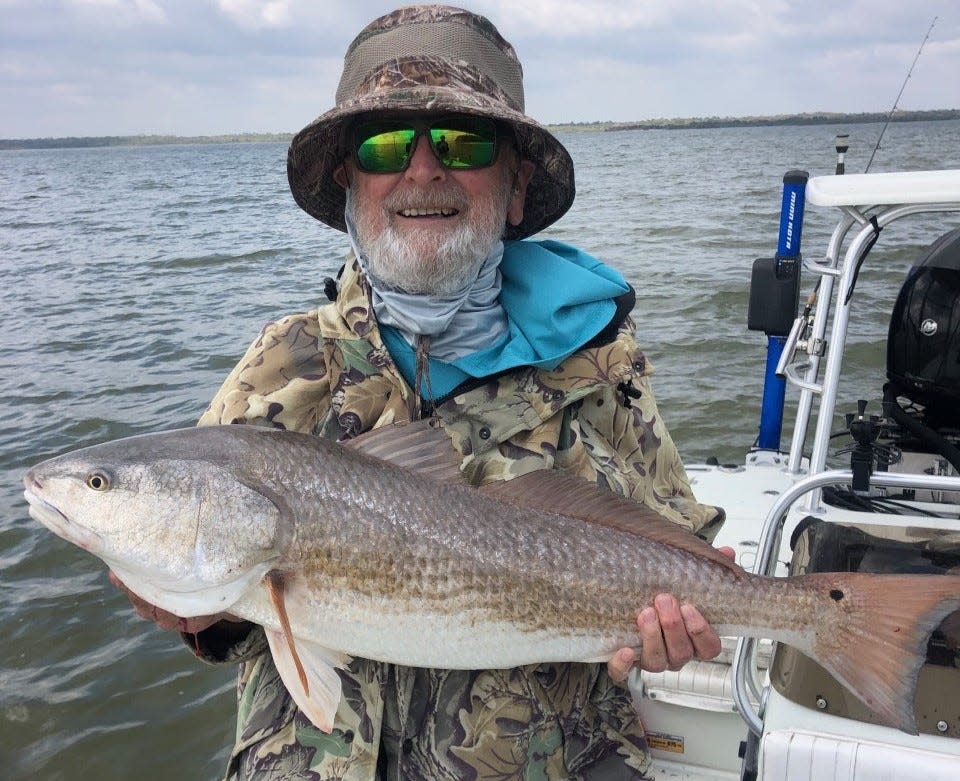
(671, 635)
(169, 621)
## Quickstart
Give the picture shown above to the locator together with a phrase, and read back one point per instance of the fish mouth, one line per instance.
(57, 522)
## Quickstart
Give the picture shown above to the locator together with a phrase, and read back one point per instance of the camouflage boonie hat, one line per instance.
(430, 58)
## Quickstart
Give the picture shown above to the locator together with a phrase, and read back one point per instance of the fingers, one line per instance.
(671, 635)
(620, 664)
(706, 643)
(666, 645)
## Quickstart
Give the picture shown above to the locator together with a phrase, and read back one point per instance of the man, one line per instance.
(524, 353)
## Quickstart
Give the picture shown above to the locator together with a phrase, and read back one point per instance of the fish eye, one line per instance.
(98, 481)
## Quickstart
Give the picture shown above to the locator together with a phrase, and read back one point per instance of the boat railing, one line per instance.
(746, 678)
(837, 280)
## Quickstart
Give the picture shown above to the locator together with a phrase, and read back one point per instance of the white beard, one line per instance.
(430, 262)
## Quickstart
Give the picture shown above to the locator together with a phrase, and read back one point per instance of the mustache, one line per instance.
(449, 196)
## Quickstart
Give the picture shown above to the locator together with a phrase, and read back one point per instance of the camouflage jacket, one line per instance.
(328, 372)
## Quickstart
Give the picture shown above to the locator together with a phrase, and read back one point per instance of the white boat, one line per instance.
(763, 712)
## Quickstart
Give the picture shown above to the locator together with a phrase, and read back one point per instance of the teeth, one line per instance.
(427, 212)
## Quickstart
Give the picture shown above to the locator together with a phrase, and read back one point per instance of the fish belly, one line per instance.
(418, 636)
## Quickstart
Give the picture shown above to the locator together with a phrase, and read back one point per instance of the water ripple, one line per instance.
(135, 277)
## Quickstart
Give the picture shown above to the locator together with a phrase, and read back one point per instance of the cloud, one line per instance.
(124, 12)
(102, 67)
(255, 15)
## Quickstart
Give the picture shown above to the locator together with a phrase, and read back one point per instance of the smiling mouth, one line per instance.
(428, 212)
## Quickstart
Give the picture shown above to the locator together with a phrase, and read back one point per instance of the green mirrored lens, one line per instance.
(384, 150)
(464, 148)
(458, 142)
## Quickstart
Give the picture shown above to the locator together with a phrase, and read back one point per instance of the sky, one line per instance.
(211, 67)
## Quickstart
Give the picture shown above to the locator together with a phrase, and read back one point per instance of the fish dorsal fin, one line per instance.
(421, 446)
(565, 494)
(308, 670)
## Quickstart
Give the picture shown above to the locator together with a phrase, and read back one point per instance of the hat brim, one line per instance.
(316, 151)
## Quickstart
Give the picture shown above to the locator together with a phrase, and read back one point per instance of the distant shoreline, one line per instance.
(81, 142)
(687, 123)
(812, 118)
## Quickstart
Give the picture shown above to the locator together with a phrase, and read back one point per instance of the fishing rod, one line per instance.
(902, 88)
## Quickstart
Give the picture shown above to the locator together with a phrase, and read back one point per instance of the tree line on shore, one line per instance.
(689, 123)
(811, 118)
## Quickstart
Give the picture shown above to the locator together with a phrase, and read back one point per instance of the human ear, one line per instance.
(518, 194)
(340, 176)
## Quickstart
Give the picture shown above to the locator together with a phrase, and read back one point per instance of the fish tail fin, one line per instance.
(874, 641)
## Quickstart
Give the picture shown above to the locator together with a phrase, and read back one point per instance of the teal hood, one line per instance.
(557, 299)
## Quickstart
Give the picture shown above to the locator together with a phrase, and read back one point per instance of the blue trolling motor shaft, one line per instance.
(791, 215)
(787, 265)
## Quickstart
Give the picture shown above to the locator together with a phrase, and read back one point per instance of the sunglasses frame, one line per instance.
(422, 128)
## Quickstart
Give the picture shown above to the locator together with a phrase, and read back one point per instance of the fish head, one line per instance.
(179, 526)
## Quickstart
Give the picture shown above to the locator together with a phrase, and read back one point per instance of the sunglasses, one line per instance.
(459, 143)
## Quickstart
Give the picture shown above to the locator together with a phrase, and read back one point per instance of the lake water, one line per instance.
(134, 278)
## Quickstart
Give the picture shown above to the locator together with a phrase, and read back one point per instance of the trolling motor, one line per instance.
(774, 298)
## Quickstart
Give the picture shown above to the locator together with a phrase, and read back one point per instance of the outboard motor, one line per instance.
(923, 346)
(923, 354)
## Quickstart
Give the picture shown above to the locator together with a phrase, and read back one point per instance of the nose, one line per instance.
(424, 166)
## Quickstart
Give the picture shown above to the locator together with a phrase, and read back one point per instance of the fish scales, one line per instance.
(388, 540)
(443, 547)
(336, 553)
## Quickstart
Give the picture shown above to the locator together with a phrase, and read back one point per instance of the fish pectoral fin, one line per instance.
(310, 675)
(306, 669)
(276, 583)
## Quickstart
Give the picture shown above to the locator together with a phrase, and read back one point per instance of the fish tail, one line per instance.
(874, 638)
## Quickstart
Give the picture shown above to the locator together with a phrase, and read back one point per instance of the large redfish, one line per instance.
(337, 553)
